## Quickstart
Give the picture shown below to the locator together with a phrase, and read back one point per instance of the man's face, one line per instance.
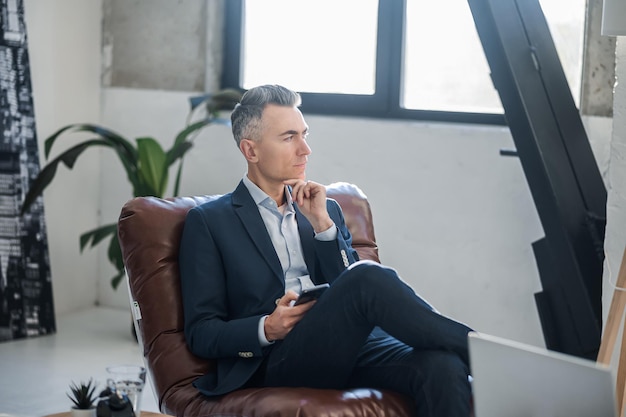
(282, 150)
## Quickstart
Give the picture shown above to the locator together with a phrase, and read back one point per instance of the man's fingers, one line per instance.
(286, 299)
(301, 190)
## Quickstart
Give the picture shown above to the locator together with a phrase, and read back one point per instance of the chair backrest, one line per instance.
(149, 231)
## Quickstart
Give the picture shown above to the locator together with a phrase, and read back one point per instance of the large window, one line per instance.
(417, 59)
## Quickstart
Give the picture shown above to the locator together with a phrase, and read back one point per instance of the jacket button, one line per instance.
(344, 257)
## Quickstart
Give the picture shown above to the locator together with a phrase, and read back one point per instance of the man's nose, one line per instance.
(304, 148)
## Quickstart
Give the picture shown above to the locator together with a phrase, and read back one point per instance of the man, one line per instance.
(245, 257)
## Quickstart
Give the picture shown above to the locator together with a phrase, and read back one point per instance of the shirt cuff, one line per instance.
(328, 234)
(262, 339)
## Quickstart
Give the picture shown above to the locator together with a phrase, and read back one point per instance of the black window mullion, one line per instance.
(232, 44)
(389, 61)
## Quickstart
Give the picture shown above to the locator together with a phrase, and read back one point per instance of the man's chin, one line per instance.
(296, 175)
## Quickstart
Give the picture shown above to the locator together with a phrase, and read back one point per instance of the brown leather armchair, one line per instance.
(149, 232)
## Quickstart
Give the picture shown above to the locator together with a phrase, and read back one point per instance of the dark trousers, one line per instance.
(370, 329)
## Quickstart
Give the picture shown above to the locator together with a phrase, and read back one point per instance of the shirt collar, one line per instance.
(259, 196)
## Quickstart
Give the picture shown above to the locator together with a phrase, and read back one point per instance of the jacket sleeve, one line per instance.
(337, 255)
(209, 331)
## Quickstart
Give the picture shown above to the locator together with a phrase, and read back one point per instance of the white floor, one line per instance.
(35, 373)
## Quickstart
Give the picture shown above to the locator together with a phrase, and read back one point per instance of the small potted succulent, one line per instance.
(83, 396)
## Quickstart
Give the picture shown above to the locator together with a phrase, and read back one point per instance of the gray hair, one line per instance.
(246, 117)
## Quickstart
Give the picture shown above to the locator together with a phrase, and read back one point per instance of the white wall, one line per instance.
(64, 48)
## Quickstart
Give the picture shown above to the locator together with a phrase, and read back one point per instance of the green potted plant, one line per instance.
(83, 396)
(146, 163)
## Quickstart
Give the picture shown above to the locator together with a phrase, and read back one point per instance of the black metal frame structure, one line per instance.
(559, 165)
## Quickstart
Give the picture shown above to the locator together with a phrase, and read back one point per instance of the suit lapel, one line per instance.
(307, 237)
(248, 213)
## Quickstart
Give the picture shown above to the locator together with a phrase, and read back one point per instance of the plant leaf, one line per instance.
(114, 252)
(179, 173)
(83, 394)
(103, 132)
(116, 279)
(46, 175)
(96, 235)
(184, 134)
(115, 257)
(177, 152)
(124, 148)
(225, 99)
(195, 101)
(153, 169)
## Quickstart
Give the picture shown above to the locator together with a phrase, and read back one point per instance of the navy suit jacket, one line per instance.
(231, 277)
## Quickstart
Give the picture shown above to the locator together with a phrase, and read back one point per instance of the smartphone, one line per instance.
(311, 294)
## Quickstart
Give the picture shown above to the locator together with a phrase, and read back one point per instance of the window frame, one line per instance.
(384, 103)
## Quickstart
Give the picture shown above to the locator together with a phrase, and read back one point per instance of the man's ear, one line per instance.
(248, 149)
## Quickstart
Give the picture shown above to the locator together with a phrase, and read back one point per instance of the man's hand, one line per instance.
(285, 317)
(311, 199)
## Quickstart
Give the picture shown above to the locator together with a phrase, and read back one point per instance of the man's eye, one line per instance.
(288, 138)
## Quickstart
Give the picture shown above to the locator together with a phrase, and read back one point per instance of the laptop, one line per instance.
(512, 379)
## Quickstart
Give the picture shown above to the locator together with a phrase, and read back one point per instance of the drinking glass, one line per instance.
(129, 380)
